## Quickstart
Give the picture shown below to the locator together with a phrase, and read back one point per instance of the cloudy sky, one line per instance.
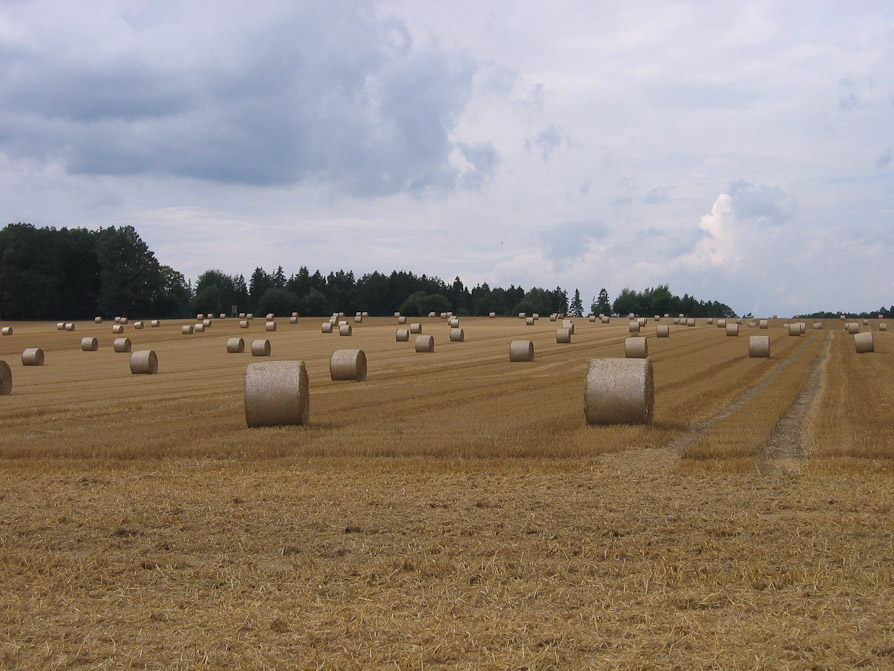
(742, 152)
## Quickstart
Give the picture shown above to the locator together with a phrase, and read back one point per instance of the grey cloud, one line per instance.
(484, 160)
(547, 141)
(569, 240)
(847, 95)
(884, 160)
(761, 204)
(322, 92)
(656, 196)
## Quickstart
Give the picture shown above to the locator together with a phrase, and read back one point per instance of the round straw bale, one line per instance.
(342, 322)
(563, 335)
(235, 345)
(752, 324)
(794, 329)
(522, 315)
(348, 364)
(853, 328)
(415, 328)
(432, 314)
(738, 320)
(401, 320)
(124, 320)
(453, 322)
(186, 329)
(200, 317)
(444, 315)
(667, 315)
(883, 326)
(358, 319)
(619, 391)
(865, 322)
(681, 316)
(592, 318)
(121, 345)
(676, 321)
(326, 327)
(425, 343)
(222, 316)
(402, 335)
(364, 314)
(6, 330)
(721, 323)
(118, 328)
(881, 316)
(863, 342)
(294, 314)
(206, 323)
(60, 326)
(155, 323)
(657, 318)
(243, 323)
(633, 316)
(492, 315)
(33, 356)
(606, 319)
(759, 346)
(529, 321)
(710, 320)
(144, 362)
(138, 325)
(785, 326)
(276, 394)
(97, 320)
(764, 324)
(841, 316)
(344, 330)
(633, 327)
(457, 335)
(69, 326)
(89, 344)
(249, 316)
(241, 315)
(553, 317)
(117, 320)
(663, 330)
(690, 321)
(270, 326)
(5, 378)
(817, 326)
(270, 316)
(732, 329)
(642, 321)
(260, 348)
(568, 324)
(293, 319)
(636, 348)
(199, 328)
(521, 350)
(397, 315)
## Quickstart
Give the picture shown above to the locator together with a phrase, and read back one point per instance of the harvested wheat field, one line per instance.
(453, 510)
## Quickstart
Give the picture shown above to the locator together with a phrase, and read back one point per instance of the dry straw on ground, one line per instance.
(348, 364)
(260, 347)
(276, 394)
(619, 391)
(521, 350)
(758, 346)
(144, 362)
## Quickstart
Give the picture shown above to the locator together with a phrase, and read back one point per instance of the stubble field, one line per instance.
(454, 510)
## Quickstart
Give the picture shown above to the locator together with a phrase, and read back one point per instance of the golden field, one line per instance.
(452, 511)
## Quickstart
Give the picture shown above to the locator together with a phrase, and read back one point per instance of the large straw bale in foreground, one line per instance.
(521, 350)
(759, 346)
(619, 391)
(144, 362)
(348, 364)
(863, 342)
(276, 394)
(5, 378)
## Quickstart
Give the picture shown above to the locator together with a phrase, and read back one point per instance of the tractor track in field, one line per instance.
(785, 442)
(688, 438)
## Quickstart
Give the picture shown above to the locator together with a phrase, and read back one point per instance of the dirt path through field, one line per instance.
(784, 448)
(679, 445)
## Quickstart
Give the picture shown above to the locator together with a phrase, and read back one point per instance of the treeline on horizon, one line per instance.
(76, 273)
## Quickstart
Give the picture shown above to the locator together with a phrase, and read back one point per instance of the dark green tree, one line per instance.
(576, 307)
